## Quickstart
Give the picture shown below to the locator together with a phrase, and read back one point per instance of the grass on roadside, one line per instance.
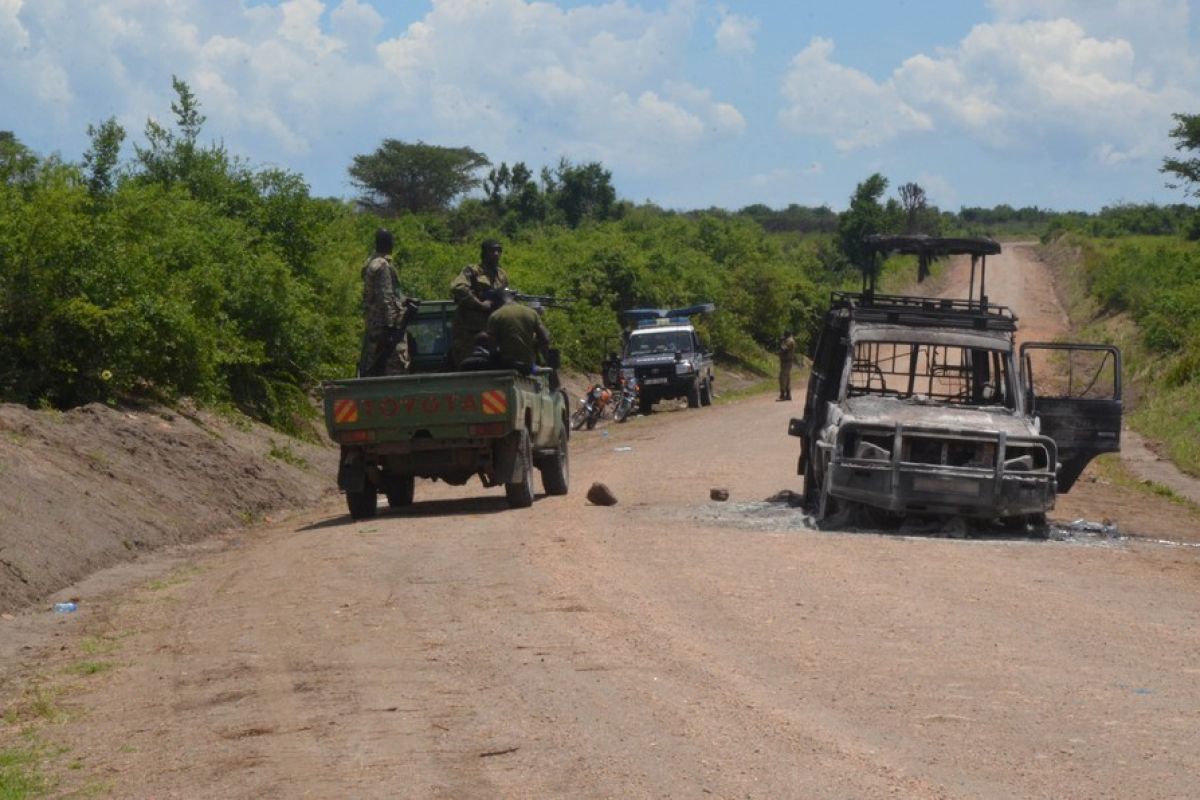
(19, 774)
(88, 667)
(176, 577)
(285, 453)
(758, 387)
(1110, 468)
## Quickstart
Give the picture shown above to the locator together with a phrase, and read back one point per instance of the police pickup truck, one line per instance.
(434, 423)
(665, 355)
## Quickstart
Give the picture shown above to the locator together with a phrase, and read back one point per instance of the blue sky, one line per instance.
(1058, 103)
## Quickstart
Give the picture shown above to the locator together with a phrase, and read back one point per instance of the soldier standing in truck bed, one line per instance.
(383, 307)
(469, 290)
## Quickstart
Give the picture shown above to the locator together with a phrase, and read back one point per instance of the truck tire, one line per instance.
(399, 490)
(556, 469)
(520, 495)
(706, 392)
(362, 503)
(644, 406)
(693, 395)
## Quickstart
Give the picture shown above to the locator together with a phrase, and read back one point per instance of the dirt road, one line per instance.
(664, 647)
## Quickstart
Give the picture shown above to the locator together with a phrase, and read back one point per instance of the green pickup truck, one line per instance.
(443, 425)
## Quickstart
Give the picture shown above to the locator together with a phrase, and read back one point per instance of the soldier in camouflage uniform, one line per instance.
(383, 306)
(469, 290)
(787, 355)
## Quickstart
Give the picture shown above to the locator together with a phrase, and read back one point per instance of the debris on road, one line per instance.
(625, 449)
(503, 752)
(601, 495)
(65, 608)
(793, 499)
(720, 495)
(1107, 527)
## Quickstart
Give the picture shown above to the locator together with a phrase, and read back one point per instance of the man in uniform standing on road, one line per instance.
(517, 333)
(385, 349)
(787, 354)
(470, 291)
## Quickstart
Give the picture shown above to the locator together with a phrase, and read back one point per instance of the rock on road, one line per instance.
(664, 647)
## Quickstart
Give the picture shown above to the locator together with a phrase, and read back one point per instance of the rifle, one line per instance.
(392, 337)
(543, 300)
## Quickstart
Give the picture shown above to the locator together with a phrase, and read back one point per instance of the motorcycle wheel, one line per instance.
(579, 418)
(592, 419)
(621, 412)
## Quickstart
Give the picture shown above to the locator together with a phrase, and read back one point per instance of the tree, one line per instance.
(18, 164)
(864, 217)
(1186, 171)
(101, 158)
(415, 178)
(912, 197)
(583, 191)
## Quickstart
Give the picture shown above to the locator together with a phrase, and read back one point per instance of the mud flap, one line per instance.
(352, 470)
(510, 457)
(352, 476)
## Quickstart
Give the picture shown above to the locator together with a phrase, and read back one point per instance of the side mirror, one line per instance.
(554, 358)
(796, 426)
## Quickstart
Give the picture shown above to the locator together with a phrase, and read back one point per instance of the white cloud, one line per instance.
(1015, 85)
(517, 79)
(13, 35)
(844, 104)
(595, 78)
(735, 34)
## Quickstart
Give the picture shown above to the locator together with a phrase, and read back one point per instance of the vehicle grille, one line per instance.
(944, 450)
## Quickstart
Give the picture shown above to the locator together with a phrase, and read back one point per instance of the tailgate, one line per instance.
(454, 405)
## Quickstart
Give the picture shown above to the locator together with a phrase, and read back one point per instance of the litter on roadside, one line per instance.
(622, 449)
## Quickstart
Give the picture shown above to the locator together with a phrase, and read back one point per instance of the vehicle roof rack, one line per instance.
(925, 311)
(927, 249)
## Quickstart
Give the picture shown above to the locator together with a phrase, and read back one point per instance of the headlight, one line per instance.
(683, 367)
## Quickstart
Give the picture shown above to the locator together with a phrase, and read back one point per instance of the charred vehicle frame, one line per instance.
(925, 406)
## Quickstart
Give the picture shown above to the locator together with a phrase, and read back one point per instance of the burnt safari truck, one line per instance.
(433, 422)
(922, 406)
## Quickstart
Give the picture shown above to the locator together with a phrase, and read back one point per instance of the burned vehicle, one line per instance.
(921, 406)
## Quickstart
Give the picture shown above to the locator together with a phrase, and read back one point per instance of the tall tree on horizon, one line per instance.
(1186, 134)
(416, 178)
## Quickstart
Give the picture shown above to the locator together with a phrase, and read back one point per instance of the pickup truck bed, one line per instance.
(447, 426)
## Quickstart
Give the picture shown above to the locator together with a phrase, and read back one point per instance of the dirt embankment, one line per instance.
(94, 486)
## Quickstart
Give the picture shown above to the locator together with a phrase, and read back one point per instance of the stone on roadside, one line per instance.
(720, 495)
(601, 495)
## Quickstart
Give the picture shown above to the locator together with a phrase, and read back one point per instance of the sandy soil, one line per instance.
(665, 647)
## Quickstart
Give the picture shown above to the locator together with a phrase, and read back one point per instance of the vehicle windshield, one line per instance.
(659, 342)
(934, 373)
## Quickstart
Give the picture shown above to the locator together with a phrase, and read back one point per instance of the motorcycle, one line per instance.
(591, 407)
(627, 400)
